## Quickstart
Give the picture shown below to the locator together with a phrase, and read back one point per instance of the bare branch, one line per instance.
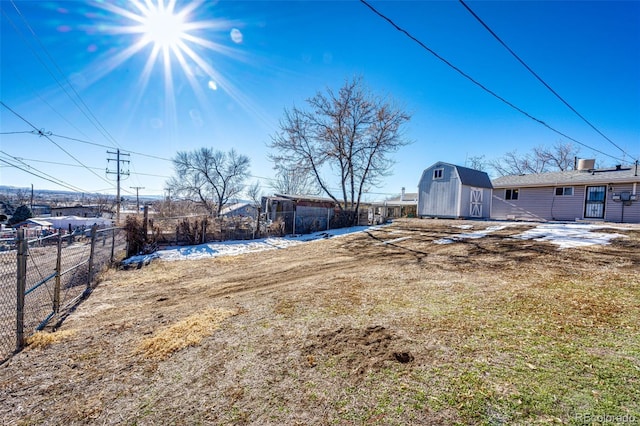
(211, 177)
(349, 135)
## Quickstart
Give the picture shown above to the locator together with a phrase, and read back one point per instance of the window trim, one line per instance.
(511, 194)
(438, 173)
(563, 191)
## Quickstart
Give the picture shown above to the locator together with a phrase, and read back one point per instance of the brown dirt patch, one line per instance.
(360, 350)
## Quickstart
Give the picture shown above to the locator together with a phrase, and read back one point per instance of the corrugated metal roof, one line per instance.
(572, 177)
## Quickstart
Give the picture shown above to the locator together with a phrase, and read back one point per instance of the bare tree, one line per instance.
(105, 203)
(559, 157)
(294, 181)
(22, 196)
(350, 134)
(209, 178)
(476, 162)
(254, 192)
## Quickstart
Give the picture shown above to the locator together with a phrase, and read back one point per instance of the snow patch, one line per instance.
(233, 248)
(569, 235)
(470, 235)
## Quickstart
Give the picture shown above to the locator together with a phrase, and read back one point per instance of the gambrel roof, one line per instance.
(468, 177)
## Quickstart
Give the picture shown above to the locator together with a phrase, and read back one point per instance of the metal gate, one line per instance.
(594, 202)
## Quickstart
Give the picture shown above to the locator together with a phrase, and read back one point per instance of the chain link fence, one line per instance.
(43, 278)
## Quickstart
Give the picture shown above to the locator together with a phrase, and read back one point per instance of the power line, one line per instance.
(44, 101)
(109, 147)
(86, 111)
(57, 182)
(76, 165)
(538, 77)
(40, 171)
(477, 83)
(53, 142)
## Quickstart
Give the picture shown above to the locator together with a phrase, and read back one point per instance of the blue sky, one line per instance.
(88, 76)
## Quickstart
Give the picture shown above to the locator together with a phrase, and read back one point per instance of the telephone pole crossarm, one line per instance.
(119, 172)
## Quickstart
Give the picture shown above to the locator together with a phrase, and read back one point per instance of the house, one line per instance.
(41, 210)
(240, 210)
(78, 222)
(449, 191)
(582, 194)
(77, 210)
(404, 205)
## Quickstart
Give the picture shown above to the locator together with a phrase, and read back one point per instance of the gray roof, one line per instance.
(474, 177)
(470, 177)
(572, 177)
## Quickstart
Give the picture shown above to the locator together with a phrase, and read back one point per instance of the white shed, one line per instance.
(449, 191)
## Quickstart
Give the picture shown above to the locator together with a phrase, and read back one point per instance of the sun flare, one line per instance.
(163, 28)
(181, 40)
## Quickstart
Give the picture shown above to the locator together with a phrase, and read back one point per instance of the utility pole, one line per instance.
(119, 172)
(137, 198)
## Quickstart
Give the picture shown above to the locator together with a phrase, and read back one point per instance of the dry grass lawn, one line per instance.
(379, 327)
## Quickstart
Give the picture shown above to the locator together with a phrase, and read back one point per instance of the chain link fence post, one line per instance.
(23, 252)
(56, 286)
(91, 254)
(113, 245)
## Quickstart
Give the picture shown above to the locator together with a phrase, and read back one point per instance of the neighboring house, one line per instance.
(583, 194)
(77, 222)
(77, 210)
(40, 210)
(449, 191)
(404, 205)
(240, 210)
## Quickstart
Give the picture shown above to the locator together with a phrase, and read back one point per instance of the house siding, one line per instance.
(439, 197)
(538, 204)
(524, 208)
(543, 204)
(566, 207)
(537, 199)
(617, 211)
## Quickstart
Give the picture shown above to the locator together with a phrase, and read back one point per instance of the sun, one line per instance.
(163, 27)
(180, 40)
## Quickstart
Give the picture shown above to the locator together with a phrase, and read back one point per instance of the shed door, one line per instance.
(594, 205)
(476, 203)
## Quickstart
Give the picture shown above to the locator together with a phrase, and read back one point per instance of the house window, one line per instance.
(437, 173)
(511, 194)
(564, 191)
